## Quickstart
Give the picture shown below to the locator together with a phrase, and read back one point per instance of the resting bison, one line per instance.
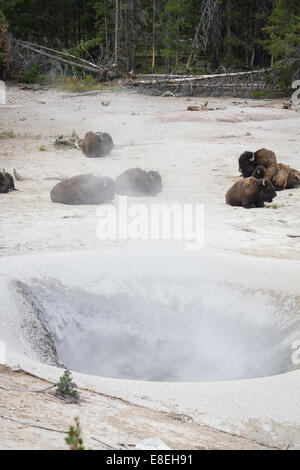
(84, 190)
(251, 192)
(259, 173)
(137, 182)
(6, 182)
(95, 145)
(282, 176)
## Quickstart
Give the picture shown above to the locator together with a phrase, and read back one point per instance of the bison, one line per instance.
(282, 176)
(7, 182)
(251, 192)
(84, 190)
(97, 144)
(137, 182)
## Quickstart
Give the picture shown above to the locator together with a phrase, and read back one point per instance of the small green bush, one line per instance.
(74, 439)
(66, 388)
(260, 94)
(77, 85)
(32, 75)
(7, 135)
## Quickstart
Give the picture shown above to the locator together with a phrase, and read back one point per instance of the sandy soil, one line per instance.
(196, 153)
(32, 420)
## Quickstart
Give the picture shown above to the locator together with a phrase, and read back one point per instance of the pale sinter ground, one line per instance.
(196, 153)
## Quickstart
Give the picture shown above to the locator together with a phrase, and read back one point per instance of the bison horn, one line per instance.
(100, 135)
(264, 182)
(253, 158)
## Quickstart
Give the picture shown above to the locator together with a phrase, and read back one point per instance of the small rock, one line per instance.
(249, 230)
(167, 94)
(153, 443)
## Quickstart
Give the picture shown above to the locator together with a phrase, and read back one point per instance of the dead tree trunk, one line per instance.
(153, 35)
(116, 32)
(201, 37)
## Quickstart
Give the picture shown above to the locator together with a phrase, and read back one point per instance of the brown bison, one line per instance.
(282, 176)
(137, 182)
(7, 182)
(84, 190)
(251, 192)
(97, 144)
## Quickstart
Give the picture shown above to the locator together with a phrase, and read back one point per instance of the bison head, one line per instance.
(267, 190)
(247, 164)
(155, 181)
(4, 182)
(259, 173)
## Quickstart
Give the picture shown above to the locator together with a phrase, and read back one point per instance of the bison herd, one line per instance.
(262, 177)
(89, 189)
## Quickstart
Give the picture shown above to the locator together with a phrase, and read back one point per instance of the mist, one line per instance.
(153, 318)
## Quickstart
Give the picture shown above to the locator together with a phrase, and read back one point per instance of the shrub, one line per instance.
(260, 94)
(32, 75)
(74, 439)
(66, 388)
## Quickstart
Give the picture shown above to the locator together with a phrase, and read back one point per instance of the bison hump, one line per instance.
(84, 190)
(137, 182)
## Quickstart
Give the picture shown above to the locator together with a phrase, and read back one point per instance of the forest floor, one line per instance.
(197, 156)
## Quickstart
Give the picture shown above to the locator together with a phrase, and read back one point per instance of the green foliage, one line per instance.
(74, 439)
(7, 135)
(244, 34)
(66, 388)
(284, 39)
(32, 74)
(260, 94)
(77, 85)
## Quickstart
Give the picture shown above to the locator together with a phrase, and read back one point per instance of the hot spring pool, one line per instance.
(161, 319)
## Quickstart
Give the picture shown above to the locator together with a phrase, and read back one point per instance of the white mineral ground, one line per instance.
(256, 250)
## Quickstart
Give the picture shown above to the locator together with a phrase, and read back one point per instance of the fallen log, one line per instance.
(59, 59)
(157, 78)
(67, 54)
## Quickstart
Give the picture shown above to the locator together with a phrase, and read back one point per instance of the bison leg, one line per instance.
(248, 205)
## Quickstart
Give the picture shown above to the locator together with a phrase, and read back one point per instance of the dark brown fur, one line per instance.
(282, 176)
(84, 190)
(7, 182)
(137, 182)
(96, 145)
(250, 193)
(259, 173)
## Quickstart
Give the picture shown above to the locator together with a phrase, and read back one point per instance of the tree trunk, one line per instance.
(133, 33)
(116, 32)
(153, 35)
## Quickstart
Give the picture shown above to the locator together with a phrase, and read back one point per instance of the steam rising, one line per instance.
(131, 324)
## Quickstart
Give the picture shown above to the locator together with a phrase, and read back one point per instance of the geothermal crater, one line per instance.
(109, 316)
